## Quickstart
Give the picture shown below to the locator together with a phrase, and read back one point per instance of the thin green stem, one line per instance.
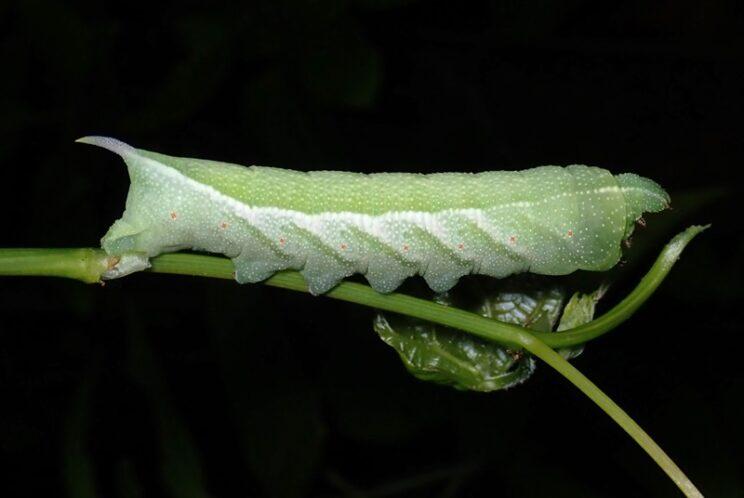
(89, 264)
(84, 264)
(625, 308)
(208, 266)
(549, 356)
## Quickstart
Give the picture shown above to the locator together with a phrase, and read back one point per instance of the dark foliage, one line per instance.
(172, 386)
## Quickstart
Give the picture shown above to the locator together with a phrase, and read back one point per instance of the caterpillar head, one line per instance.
(642, 195)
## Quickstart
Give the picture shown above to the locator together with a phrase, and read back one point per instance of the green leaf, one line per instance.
(447, 356)
(578, 311)
(532, 308)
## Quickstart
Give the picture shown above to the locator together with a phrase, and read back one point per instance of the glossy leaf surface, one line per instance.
(440, 354)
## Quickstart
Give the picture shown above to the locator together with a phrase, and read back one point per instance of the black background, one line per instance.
(158, 385)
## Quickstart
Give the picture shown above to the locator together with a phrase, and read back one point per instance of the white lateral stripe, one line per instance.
(369, 223)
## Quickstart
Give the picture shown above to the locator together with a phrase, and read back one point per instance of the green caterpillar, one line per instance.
(389, 226)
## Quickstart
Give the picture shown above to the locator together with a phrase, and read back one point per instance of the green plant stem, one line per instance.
(82, 264)
(88, 264)
(625, 308)
(549, 356)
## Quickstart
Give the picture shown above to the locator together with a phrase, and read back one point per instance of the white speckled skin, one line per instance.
(389, 226)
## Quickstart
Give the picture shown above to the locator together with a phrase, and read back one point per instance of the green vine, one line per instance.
(88, 265)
